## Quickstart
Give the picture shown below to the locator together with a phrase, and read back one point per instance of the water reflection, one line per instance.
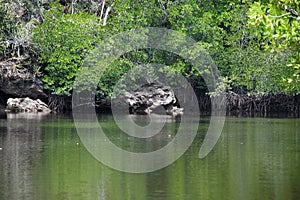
(21, 146)
(255, 158)
(68, 171)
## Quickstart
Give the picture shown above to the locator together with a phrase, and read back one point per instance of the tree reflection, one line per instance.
(20, 154)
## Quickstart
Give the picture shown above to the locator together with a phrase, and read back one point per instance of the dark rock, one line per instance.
(26, 105)
(2, 108)
(150, 97)
(17, 80)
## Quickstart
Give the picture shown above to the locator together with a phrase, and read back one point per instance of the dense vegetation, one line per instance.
(255, 44)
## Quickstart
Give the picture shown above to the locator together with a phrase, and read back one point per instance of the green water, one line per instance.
(255, 158)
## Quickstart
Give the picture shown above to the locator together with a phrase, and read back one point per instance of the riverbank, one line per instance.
(269, 103)
(237, 105)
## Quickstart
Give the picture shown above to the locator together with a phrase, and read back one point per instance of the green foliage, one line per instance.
(222, 28)
(278, 28)
(245, 65)
(18, 18)
(7, 25)
(6, 21)
(112, 75)
(236, 46)
(132, 14)
(63, 41)
(255, 45)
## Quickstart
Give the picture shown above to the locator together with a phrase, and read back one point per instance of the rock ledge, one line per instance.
(17, 105)
(151, 96)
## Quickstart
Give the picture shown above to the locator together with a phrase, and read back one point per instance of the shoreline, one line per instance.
(237, 105)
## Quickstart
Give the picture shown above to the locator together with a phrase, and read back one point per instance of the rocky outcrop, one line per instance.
(26, 105)
(17, 80)
(150, 97)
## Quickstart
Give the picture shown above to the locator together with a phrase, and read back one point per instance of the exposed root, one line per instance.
(263, 103)
(59, 103)
(250, 104)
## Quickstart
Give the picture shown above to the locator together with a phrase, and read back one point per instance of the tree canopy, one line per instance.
(254, 44)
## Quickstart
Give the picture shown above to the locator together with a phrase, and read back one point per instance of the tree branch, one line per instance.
(279, 15)
(106, 15)
(102, 10)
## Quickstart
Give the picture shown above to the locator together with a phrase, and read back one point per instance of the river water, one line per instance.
(42, 157)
